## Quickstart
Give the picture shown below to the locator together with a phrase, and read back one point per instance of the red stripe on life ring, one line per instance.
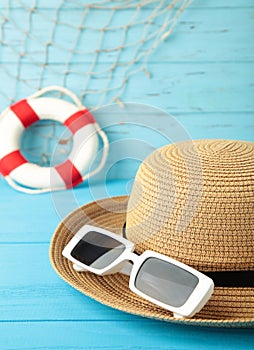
(69, 173)
(10, 162)
(78, 120)
(25, 113)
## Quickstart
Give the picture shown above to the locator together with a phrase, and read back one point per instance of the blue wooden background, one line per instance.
(204, 76)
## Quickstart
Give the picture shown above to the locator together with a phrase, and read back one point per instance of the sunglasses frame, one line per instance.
(114, 267)
(196, 301)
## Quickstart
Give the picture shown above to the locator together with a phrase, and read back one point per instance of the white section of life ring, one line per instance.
(85, 143)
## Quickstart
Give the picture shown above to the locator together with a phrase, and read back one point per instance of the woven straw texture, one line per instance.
(192, 201)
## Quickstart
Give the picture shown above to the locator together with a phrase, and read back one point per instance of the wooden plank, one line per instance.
(176, 87)
(137, 335)
(31, 290)
(198, 87)
(35, 218)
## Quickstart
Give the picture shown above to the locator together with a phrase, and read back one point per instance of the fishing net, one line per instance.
(92, 48)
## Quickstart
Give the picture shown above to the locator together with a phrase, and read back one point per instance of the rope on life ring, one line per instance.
(31, 178)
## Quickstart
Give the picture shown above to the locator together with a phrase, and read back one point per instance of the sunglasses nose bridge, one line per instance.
(132, 257)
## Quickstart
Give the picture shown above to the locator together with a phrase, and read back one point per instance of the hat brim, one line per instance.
(228, 307)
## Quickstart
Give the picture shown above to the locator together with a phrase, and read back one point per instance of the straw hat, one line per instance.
(192, 201)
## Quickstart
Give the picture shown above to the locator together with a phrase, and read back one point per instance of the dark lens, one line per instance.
(165, 282)
(97, 250)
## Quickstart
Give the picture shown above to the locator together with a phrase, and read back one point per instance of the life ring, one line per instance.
(81, 123)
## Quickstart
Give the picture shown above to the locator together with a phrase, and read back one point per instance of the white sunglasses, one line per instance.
(163, 281)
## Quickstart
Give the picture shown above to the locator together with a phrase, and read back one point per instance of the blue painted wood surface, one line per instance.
(204, 75)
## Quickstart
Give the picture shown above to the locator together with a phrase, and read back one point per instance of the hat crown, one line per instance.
(194, 201)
